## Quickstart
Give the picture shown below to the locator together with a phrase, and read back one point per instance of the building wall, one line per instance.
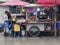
(2, 10)
(3, 0)
(2, 13)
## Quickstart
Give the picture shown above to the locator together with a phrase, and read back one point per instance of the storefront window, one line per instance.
(14, 10)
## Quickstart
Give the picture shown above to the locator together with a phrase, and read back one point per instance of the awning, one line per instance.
(15, 2)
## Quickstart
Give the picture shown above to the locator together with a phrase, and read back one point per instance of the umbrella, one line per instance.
(58, 2)
(48, 3)
(15, 3)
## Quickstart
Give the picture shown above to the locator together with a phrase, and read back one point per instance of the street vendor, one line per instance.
(49, 11)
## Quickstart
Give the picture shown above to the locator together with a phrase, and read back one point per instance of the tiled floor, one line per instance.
(29, 40)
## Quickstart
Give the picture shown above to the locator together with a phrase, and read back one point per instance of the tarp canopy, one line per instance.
(15, 3)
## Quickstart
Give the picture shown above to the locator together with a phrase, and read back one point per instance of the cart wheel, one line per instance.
(34, 31)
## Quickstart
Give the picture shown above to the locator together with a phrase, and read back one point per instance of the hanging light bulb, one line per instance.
(23, 10)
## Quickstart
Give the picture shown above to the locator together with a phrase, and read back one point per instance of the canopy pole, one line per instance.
(55, 32)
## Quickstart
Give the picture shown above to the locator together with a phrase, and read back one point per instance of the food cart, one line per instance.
(39, 21)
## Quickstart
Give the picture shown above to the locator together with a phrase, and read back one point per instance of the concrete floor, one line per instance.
(29, 40)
